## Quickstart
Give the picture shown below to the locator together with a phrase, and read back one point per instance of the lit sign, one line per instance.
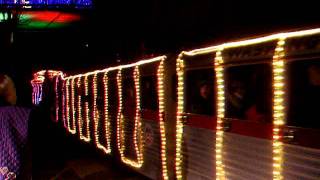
(46, 3)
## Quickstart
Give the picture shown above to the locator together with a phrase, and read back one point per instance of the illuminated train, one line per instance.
(239, 110)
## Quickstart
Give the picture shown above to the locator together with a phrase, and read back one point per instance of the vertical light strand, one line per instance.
(57, 97)
(160, 76)
(218, 61)
(278, 108)
(86, 106)
(106, 113)
(119, 117)
(180, 109)
(137, 123)
(79, 109)
(96, 118)
(64, 117)
(73, 129)
(67, 105)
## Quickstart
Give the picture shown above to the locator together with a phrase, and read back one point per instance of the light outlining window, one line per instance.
(137, 136)
(119, 116)
(64, 117)
(180, 110)
(220, 103)
(79, 109)
(86, 106)
(160, 75)
(67, 104)
(278, 108)
(57, 97)
(96, 114)
(73, 129)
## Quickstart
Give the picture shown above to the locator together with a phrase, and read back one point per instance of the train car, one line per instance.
(238, 110)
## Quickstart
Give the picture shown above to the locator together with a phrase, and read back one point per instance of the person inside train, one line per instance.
(203, 103)
(305, 99)
(248, 94)
(235, 97)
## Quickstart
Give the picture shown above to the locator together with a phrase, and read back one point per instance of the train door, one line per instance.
(113, 105)
(100, 112)
(301, 152)
(199, 116)
(150, 120)
(247, 141)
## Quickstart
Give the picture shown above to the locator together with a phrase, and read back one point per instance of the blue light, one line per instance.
(41, 3)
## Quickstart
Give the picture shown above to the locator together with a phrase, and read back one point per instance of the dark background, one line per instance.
(130, 30)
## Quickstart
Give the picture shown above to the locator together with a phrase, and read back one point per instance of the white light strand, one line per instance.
(96, 116)
(278, 108)
(160, 76)
(220, 103)
(179, 121)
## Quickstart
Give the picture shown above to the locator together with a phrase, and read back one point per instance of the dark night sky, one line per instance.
(120, 29)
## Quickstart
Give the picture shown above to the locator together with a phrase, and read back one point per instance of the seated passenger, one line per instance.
(307, 112)
(203, 103)
(235, 106)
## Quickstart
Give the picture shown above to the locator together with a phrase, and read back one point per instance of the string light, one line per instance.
(64, 105)
(67, 105)
(220, 174)
(79, 110)
(96, 116)
(57, 98)
(137, 123)
(180, 110)
(160, 75)
(278, 108)
(73, 130)
(86, 106)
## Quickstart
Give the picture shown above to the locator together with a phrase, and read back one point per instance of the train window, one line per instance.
(113, 94)
(304, 93)
(200, 92)
(248, 92)
(149, 95)
(128, 96)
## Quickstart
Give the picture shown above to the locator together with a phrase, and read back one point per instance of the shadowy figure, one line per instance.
(203, 103)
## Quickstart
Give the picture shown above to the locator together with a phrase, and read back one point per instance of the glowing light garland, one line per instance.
(79, 109)
(137, 124)
(95, 114)
(160, 75)
(179, 123)
(278, 108)
(57, 98)
(220, 174)
(86, 106)
(67, 105)
(64, 105)
(72, 130)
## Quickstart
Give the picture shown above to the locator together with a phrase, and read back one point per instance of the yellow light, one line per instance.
(220, 174)
(180, 110)
(67, 105)
(278, 108)
(79, 110)
(120, 130)
(160, 74)
(72, 130)
(86, 108)
(96, 116)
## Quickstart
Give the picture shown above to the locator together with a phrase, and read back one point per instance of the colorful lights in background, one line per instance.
(37, 81)
(47, 3)
(45, 19)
